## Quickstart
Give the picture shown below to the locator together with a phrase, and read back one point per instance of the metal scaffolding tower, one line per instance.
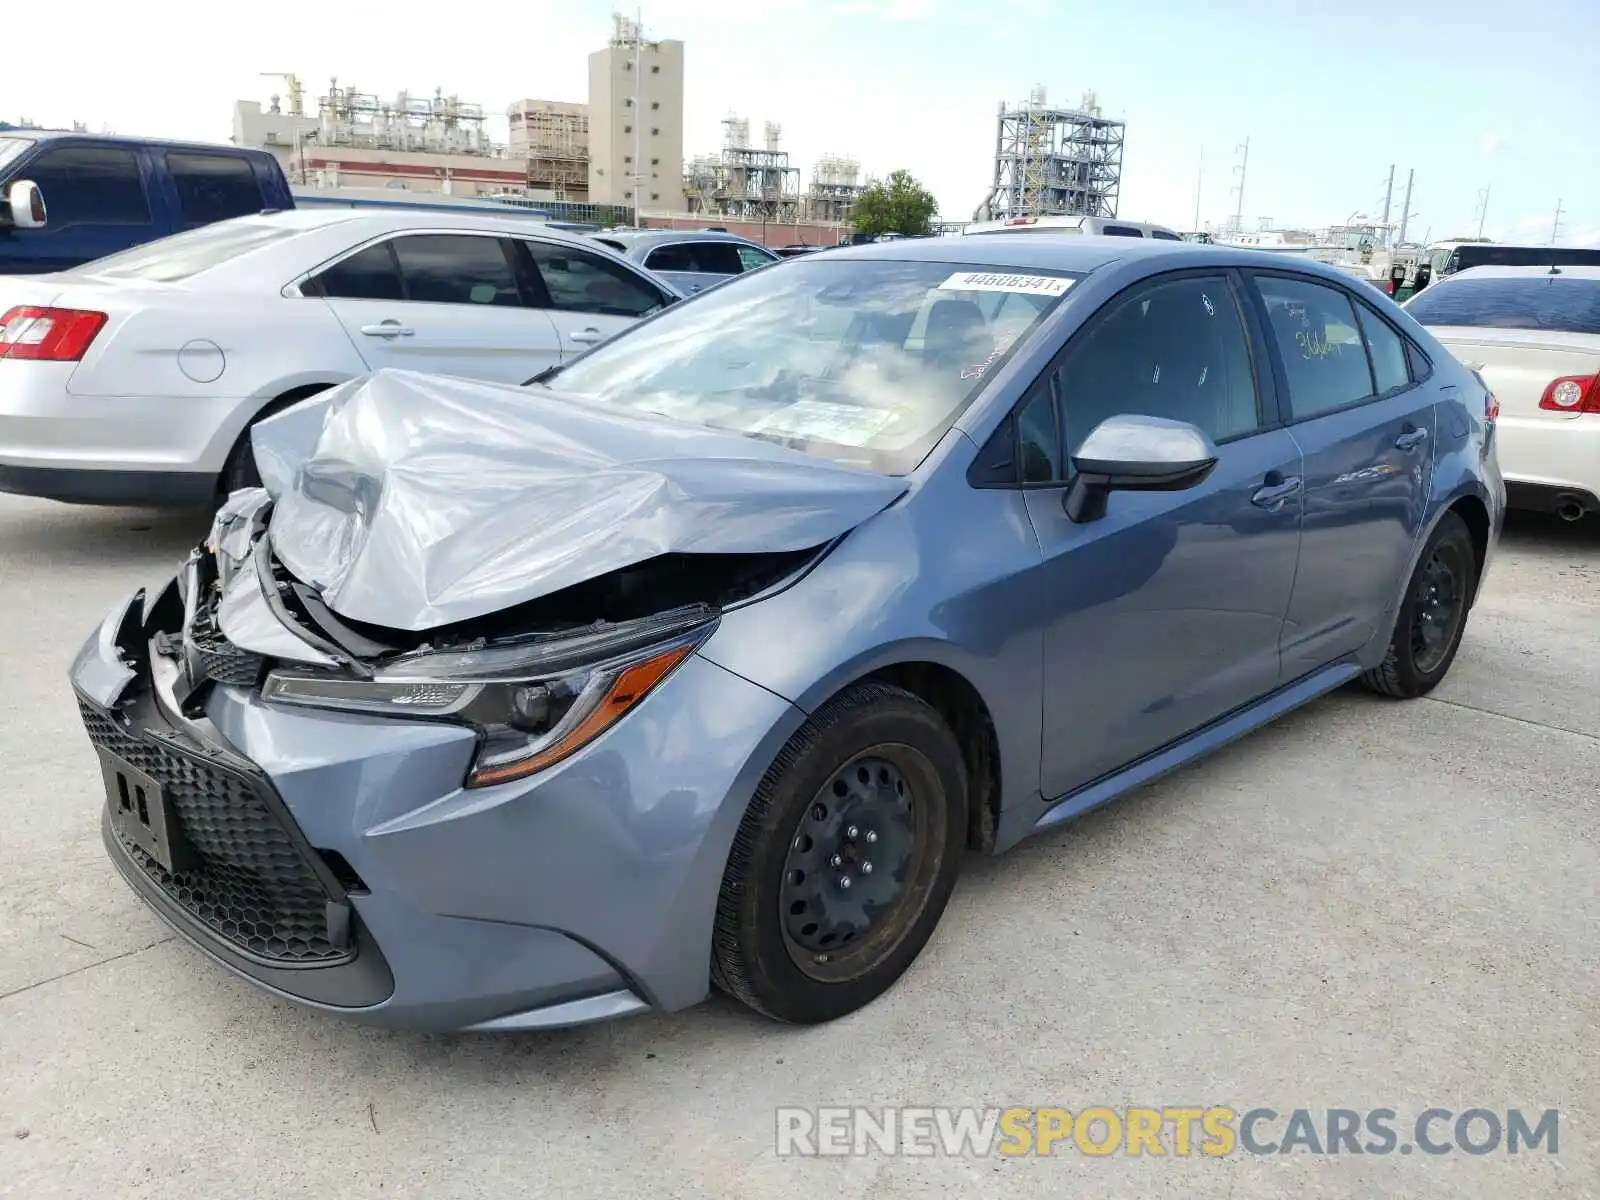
(1055, 161)
(744, 182)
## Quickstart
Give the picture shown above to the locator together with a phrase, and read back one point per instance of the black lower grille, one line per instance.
(245, 879)
(225, 663)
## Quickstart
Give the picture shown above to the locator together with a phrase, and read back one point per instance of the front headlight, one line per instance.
(534, 703)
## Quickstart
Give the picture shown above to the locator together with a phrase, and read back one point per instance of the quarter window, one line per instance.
(213, 187)
(581, 282)
(369, 274)
(1174, 350)
(1388, 352)
(1319, 340)
(90, 185)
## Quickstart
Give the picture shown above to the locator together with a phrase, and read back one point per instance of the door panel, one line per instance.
(1168, 610)
(1367, 480)
(591, 298)
(462, 311)
(1368, 465)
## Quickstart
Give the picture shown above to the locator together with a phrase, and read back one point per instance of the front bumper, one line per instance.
(343, 866)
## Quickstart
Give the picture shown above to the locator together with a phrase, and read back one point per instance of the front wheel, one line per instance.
(845, 859)
(1433, 615)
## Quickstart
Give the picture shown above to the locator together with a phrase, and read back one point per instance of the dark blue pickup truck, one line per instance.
(94, 195)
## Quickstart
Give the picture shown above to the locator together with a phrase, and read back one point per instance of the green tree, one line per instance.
(897, 205)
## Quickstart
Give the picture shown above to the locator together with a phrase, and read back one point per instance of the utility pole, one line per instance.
(1388, 197)
(1244, 163)
(1405, 217)
(638, 116)
(1483, 209)
(1555, 226)
(1198, 184)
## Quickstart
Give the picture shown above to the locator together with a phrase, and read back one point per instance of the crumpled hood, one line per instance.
(413, 501)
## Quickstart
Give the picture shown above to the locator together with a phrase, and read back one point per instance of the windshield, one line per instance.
(186, 254)
(11, 147)
(1552, 302)
(866, 362)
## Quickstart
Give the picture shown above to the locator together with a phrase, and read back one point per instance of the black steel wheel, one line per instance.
(845, 859)
(1432, 616)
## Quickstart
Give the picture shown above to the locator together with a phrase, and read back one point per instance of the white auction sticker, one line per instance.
(993, 281)
(842, 424)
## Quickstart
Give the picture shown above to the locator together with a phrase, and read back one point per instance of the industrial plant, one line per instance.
(1054, 161)
(618, 156)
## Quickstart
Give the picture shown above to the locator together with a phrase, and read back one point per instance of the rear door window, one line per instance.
(1319, 340)
(709, 258)
(213, 187)
(751, 258)
(1122, 231)
(456, 268)
(90, 185)
(578, 281)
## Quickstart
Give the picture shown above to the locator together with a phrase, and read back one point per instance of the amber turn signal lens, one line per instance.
(629, 687)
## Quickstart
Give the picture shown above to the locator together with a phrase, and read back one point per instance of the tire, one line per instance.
(1416, 661)
(874, 758)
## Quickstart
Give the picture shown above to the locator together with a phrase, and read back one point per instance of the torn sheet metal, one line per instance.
(413, 501)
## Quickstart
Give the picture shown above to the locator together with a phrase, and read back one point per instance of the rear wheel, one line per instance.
(1433, 615)
(845, 859)
(240, 470)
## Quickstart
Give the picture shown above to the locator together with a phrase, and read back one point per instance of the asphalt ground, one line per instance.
(1369, 904)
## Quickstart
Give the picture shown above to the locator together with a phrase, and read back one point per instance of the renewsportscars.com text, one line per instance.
(1177, 1131)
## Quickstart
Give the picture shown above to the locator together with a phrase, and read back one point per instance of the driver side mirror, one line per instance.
(25, 205)
(1136, 454)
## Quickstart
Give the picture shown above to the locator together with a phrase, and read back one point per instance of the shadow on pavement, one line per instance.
(46, 534)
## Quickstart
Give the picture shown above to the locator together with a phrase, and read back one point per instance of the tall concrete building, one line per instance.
(636, 122)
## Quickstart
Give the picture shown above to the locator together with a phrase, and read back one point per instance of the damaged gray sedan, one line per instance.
(704, 657)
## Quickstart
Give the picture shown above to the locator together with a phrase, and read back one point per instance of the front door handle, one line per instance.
(586, 337)
(1273, 495)
(387, 329)
(1410, 440)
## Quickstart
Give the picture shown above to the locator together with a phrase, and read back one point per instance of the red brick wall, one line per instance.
(787, 234)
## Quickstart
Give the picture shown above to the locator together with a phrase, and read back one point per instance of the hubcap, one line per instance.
(1436, 609)
(848, 874)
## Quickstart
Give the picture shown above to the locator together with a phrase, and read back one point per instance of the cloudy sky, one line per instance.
(1472, 95)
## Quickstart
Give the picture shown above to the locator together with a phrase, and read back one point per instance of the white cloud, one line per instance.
(1489, 143)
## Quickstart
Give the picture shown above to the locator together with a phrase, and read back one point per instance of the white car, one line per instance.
(1085, 226)
(1533, 334)
(133, 379)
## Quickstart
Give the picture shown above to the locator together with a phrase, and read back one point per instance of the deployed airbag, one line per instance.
(412, 501)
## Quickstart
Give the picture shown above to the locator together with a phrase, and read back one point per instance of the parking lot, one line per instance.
(1369, 904)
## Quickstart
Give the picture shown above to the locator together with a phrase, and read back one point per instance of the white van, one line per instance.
(1089, 226)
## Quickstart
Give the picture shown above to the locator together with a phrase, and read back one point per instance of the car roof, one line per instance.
(1534, 271)
(651, 237)
(369, 222)
(1085, 253)
(50, 135)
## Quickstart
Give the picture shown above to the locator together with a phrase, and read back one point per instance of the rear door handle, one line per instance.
(1410, 440)
(586, 337)
(1272, 496)
(386, 329)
